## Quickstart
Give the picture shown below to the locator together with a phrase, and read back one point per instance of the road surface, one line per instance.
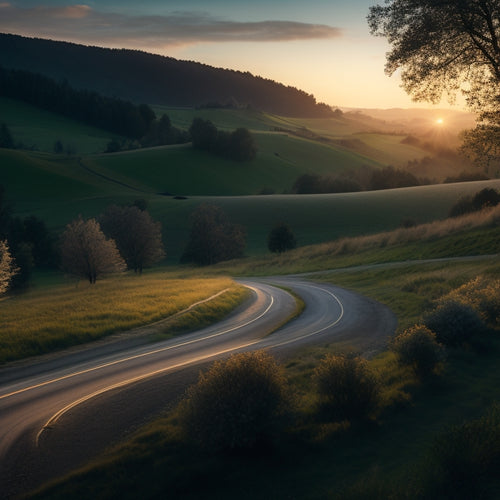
(58, 413)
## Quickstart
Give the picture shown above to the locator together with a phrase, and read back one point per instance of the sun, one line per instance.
(439, 121)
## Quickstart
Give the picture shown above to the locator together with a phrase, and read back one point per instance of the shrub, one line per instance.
(454, 323)
(238, 403)
(483, 295)
(348, 389)
(417, 347)
(465, 459)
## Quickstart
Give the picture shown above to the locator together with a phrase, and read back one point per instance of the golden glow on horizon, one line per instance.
(439, 121)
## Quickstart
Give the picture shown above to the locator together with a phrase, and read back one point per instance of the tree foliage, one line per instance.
(238, 145)
(447, 47)
(281, 238)
(87, 253)
(236, 403)
(8, 268)
(213, 238)
(136, 234)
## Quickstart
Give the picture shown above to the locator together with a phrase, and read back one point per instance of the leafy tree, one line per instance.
(281, 238)
(213, 237)
(137, 236)
(203, 134)
(447, 47)
(8, 268)
(241, 145)
(87, 253)
(237, 403)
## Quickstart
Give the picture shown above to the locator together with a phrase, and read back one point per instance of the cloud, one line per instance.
(86, 25)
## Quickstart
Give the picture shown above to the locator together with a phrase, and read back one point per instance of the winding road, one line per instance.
(57, 413)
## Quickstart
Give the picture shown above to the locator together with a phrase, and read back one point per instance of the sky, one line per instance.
(323, 47)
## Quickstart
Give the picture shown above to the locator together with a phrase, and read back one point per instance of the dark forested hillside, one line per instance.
(143, 77)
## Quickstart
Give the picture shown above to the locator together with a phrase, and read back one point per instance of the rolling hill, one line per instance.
(59, 189)
(142, 77)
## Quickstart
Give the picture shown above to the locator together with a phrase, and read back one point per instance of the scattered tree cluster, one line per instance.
(238, 145)
(213, 238)
(140, 77)
(123, 237)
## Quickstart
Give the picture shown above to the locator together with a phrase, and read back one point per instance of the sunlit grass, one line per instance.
(58, 316)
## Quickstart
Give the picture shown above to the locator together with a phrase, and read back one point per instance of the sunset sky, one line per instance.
(321, 46)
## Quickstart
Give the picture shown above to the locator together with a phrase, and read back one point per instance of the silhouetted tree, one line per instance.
(137, 236)
(203, 134)
(281, 238)
(87, 253)
(242, 145)
(213, 238)
(8, 269)
(447, 47)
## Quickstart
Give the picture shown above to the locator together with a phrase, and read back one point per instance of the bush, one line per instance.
(454, 323)
(237, 403)
(348, 389)
(483, 295)
(418, 348)
(465, 459)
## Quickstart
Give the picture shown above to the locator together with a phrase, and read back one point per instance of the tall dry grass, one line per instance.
(401, 236)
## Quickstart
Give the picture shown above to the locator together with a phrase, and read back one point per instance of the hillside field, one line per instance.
(60, 189)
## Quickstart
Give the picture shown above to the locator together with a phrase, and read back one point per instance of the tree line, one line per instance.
(109, 113)
(367, 179)
(141, 77)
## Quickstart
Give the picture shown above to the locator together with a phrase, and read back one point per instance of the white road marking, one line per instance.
(54, 418)
(137, 356)
(321, 329)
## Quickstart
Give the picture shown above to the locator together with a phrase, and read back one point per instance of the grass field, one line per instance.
(61, 189)
(62, 315)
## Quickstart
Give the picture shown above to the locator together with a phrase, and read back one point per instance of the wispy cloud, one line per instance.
(87, 25)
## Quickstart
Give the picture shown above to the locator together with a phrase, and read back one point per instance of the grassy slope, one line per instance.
(40, 129)
(60, 189)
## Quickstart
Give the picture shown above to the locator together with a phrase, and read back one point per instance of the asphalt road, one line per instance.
(57, 413)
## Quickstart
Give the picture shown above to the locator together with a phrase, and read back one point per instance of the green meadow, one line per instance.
(60, 189)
